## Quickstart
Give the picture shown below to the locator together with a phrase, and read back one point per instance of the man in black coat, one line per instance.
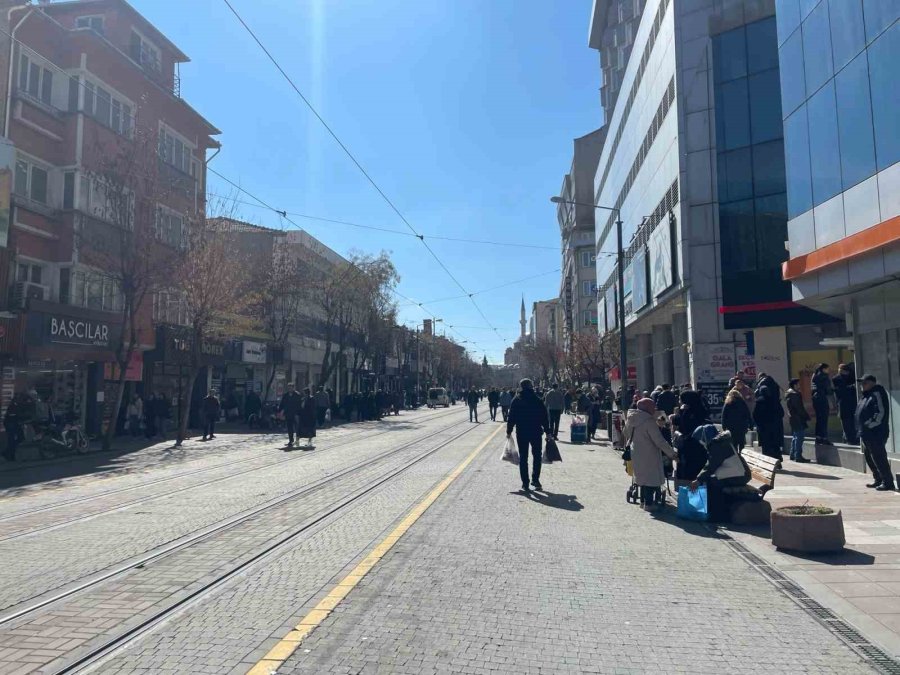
(528, 417)
(768, 415)
(821, 398)
(210, 409)
(290, 406)
(666, 400)
(873, 422)
(472, 399)
(493, 402)
(845, 391)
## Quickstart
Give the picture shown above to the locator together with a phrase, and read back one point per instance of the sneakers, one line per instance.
(525, 488)
(885, 487)
(537, 485)
(873, 485)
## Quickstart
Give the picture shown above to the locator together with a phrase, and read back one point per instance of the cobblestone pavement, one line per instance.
(68, 628)
(573, 580)
(38, 564)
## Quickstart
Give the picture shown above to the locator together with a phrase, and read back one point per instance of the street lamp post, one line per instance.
(620, 263)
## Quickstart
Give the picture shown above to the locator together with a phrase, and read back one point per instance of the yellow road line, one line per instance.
(290, 642)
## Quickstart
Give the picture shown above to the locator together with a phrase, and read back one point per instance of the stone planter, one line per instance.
(808, 529)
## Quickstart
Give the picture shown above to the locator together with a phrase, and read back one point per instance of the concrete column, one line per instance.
(645, 362)
(681, 363)
(663, 363)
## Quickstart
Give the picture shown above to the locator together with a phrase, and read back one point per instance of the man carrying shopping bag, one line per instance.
(528, 417)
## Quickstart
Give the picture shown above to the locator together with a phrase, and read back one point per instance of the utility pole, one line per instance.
(620, 257)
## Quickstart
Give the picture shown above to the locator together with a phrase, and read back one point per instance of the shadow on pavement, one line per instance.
(804, 474)
(846, 557)
(554, 500)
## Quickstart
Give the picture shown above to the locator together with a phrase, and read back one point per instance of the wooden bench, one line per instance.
(762, 470)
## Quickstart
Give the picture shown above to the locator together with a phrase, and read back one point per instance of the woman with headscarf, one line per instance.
(690, 415)
(647, 449)
(736, 418)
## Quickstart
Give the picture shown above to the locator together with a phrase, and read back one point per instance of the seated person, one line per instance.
(725, 473)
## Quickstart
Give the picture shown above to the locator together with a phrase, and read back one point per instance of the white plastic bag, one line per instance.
(328, 415)
(510, 454)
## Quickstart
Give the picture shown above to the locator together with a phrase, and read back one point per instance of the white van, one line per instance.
(437, 396)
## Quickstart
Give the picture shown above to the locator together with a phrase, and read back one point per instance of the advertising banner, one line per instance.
(627, 284)
(611, 316)
(639, 280)
(661, 264)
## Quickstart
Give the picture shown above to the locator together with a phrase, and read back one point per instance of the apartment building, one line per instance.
(576, 217)
(89, 81)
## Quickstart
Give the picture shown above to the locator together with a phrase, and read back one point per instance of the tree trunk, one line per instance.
(120, 394)
(185, 404)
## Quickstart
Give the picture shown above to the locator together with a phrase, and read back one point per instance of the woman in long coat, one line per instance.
(306, 426)
(647, 449)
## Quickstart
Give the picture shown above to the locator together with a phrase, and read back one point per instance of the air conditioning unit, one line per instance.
(23, 291)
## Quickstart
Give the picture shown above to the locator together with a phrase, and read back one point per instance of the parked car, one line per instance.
(437, 396)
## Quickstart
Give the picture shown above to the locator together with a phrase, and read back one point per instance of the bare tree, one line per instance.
(122, 261)
(590, 357)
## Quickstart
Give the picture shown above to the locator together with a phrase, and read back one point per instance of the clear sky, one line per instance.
(462, 111)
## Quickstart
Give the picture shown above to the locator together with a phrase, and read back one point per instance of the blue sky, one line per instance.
(463, 112)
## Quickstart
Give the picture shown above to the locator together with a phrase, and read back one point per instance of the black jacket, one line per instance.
(873, 414)
(528, 415)
(211, 406)
(666, 401)
(845, 391)
(494, 398)
(291, 403)
(736, 417)
(768, 410)
(797, 414)
(472, 398)
(821, 385)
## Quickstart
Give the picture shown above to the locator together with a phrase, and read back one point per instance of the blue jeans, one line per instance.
(797, 436)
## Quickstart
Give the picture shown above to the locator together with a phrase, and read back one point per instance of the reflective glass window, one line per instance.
(787, 14)
(848, 33)
(854, 108)
(730, 53)
(765, 106)
(879, 15)
(762, 48)
(884, 55)
(738, 232)
(793, 79)
(806, 7)
(768, 168)
(796, 156)
(736, 114)
(824, 151)
(771, 228)
(738, 175)
(817, 48)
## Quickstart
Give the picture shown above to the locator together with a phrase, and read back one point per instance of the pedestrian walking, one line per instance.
(290, 405)
(844, 384)
(648, 446)
(12, 422)
(528, 418)
(768, 415)
(307, 417)
(555, 402)
(595, 415)
(135, 413)
(472, 399)
(252, 406)
(822, 395)
(493, 402)
(506, 399)
(322, 402)
(798, 418)
(873, 422)
(736, 418)
(210, 409)
(666, 400)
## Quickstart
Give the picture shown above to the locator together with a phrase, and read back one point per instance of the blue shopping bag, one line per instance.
(692, 505)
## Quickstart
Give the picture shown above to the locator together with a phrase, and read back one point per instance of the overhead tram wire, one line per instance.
(355, 161)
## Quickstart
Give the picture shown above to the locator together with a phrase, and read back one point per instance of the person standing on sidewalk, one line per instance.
(290, 405)
(322, 403)
(493, 402)
(666, 400)
(768, 414)
(472, 399)
(506, 399)
(306, 417)
(736, 418)
(528, 417)
(211, 409)
(845, 391)
(798, 419)
(555, 402)
(648, 446)
(873, 422)
(822, 395)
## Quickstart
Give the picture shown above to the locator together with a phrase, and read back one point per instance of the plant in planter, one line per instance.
(810, 529)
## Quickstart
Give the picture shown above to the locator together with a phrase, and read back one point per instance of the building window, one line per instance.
(854, 112)
(107, 109)
(587, 289)
(175, 150)
(35, 80)
(145, 52)
(824, 153)
(586, 259)
(29, 272)
(93, 22)
(64, 285)
(169, 307)
(589, 317)
(69, 190)
(31, 181)
(94, 291)
(170, 227)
